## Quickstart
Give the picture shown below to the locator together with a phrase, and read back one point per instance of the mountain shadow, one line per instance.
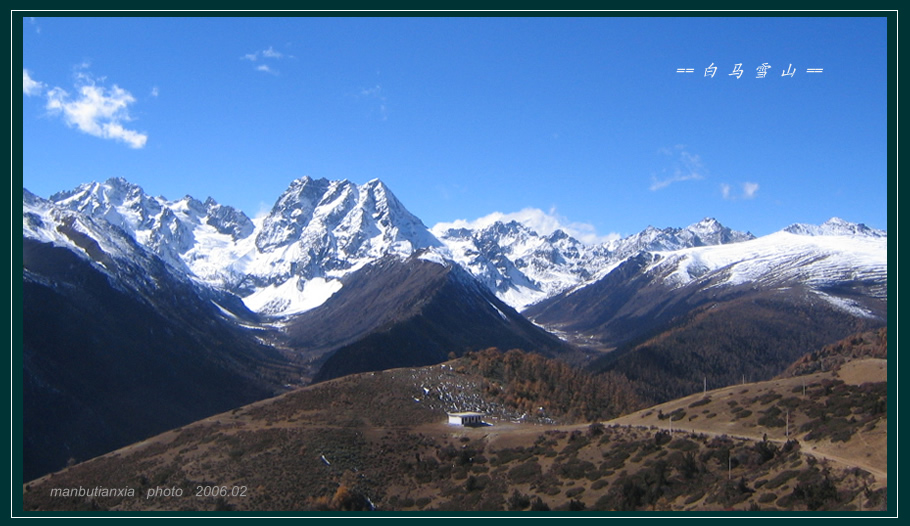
(412, 312)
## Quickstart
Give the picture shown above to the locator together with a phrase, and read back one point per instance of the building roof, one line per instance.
(468, 413)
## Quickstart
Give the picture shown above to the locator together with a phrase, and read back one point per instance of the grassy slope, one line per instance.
(380, 438)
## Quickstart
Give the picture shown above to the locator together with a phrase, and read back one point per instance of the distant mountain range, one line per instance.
(129, 296)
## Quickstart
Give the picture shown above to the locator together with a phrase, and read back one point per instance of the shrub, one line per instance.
(576, 505)
(518, 501)
(698, 403)
(524, 473)
(574, 492)
(683, 444)
(781, 478)
(767, 497)
(539, 505)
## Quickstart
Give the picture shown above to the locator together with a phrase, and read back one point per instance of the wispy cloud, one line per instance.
(375, 93)
(265, 68)
(95, 110)
(544, 223)
(749, 190)
(271, 53)
(34, 23)
(266, 54)
(154, 92)
(31, 86)
(684, 166)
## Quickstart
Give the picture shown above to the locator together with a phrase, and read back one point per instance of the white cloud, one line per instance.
(749, 190)
(271, 53)
(29, 85)
(154, 91)
(96, 111)
(544, 223)
(266, 69)
(684, 167)
(678, 177)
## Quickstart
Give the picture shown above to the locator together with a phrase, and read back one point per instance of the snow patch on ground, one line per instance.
(501, 314)
(846, 305)
(434, 256)
(286, 298)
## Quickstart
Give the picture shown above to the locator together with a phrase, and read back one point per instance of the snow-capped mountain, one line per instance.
(846, 267)
(823, 260)
(194, 236)
(706, 232)
(319, 231)
(836, 227)
(316, 233)
(671, 317)
(519, 265)
(291, 261)
(523, 267)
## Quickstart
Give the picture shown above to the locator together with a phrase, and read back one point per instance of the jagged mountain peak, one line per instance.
(706, 224)
(835, 227)
(320, 230)
(708, 231)
(340, 211)
(28, 197)
(558, 235)
(172, 229)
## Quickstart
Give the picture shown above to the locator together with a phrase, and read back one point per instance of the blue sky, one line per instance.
(583, 118)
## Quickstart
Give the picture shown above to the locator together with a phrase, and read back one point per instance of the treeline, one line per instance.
(751, 340)
(869, 344)
(540, 386)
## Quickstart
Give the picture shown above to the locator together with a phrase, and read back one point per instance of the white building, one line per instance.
(466, 419)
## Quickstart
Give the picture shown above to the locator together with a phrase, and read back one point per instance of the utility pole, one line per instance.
(788, 424)
(706, 386)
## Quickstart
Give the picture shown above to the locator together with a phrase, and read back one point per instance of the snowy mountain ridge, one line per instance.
(825, 264)
(836, 227)
(523, 267)
(290, 261)
(112, 250)
(193, 236)
(319, 231)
